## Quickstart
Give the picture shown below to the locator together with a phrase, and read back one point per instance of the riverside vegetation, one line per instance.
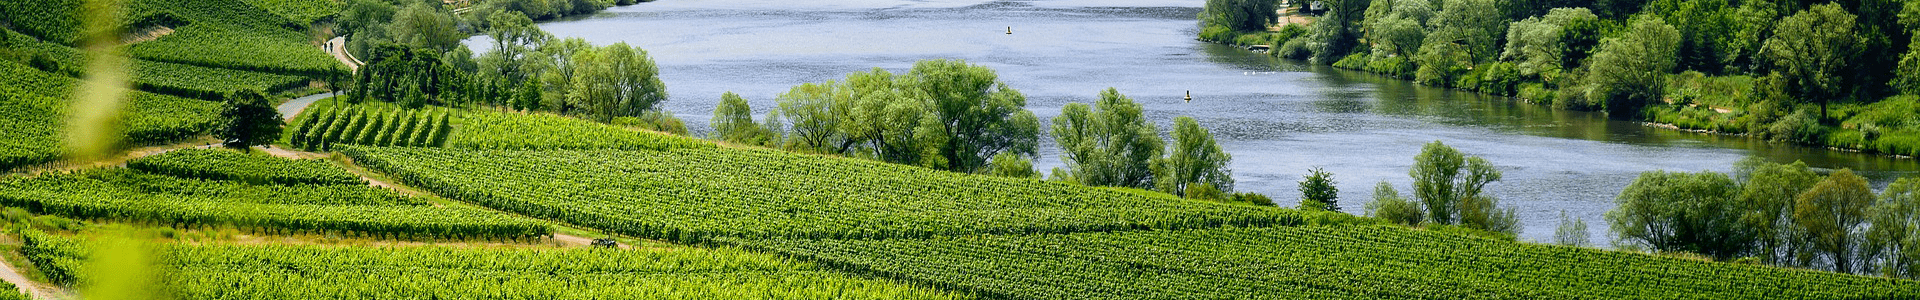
(1841, 74)
(882, 186)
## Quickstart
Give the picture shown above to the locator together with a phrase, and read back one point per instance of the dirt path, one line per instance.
(33, 289)
(572, 240)
(145, 34)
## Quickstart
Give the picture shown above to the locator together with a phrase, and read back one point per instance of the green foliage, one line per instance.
(1572, 232)
(655, 120)
(122, 194)
(616, 81)
(1830, 214)
(497, 130)
(1312, 262)
(1195, 158)
(319, 272)
(733, 123)
(1536, 45)
(1672, 211)
(695, 194)
(1389, 205)
(248, 120)
(1628, 72)
(1443, 178)
(1891, 239)
(32, 104)
(1238, 15)
(301, 11)
(220, 46)
(1109, 145)
(1317, 190)
(238, 166)
(1010, 165)
(1397, 27)
(1812, 49)
(323, 126)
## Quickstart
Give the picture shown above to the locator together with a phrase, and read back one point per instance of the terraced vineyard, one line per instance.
(498, 130)
(692, 194)
(301, 11)
(256, 168)
(312, 272)
(130, 195)
(32, 103)
(1317, 262)
(160, 77)
(323, 126)
(221, 46)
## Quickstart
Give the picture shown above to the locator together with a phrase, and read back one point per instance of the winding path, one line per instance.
(293, 107)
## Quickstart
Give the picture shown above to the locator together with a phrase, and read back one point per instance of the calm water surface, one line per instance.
(1278, 118)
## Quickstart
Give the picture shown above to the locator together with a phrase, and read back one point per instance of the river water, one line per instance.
(1277, 117)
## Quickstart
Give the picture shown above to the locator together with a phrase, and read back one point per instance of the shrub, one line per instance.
(1356, 61)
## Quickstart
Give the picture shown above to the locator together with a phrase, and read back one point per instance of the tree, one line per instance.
(1483, 212)
(1675, 211)
(888, 122)
(514, 40)
(616, 81)
(1908, 78)
(1396, 27)
(733, 122)
(1195, 159)
(1109, 145)
(1572, 232)
(248, 120)
(1443, 178)
(1011, 165)
(1893, 239)
(1389, 205)
(1536, 45)
(1239, 15)
(559, 65)
(1318, 192)
(425, 26)
(361, 14)
(1811, 50)
(1831, 214)
(1334, 35)
(981, 115)
(817, 111)
(1629, 72)
(1768, 191)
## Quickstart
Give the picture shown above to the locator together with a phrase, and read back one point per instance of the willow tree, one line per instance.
(1109, 144)
(616, 81)
(1195, 161)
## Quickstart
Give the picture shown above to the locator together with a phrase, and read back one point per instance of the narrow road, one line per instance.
(32, 289)
(293, 107)
(338, 48)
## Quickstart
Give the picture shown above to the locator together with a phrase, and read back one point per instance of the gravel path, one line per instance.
(293, 107)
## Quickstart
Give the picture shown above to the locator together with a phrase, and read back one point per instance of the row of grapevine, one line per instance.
(694, 194)
(498, 130)
(319, 272)
(249, 49)
(52, 20)
(114, 194)
(301, 11)
(32, 103)
(159, 77)
(1312, 262)
(259, 168)
(325, 126)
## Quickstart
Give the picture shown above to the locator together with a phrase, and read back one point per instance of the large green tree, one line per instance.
(514, 40)
(1811, 50)
(1629, 72)
(1907, 77)
(426, 26)
(1768, 190)
(1110, 144)
(616, 81)
(1397, 27)
(733, 122)
(889, 122)
(1893, 239)
(1194, 160)
(1831, 213)
(1443, 178)
(1675, 211)
(1536, 45)
(981, 115)
(817, 111)
(248, 120)
(1239, 15)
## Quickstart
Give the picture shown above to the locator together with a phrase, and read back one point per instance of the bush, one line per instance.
(1216, 33)
(1536, 92)
(1356, 61)
(1800, 127)
(1397, 66)
(655, 120)
(1250, 39)
(1294, 49)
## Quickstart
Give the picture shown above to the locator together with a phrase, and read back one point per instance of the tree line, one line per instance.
(1836, 73)
(1780, 214)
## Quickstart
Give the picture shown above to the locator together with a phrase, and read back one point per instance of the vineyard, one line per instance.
(313, 272)
(165, 78)
(300, 11)
(33, 105)
(250, 49)
(324, 126)
(692, 194)
(1312, 262)
(257, 168)
(498, 130)
(358, 210)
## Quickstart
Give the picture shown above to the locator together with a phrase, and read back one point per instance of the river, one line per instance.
(1277, 117)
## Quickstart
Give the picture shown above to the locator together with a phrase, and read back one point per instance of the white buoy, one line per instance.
(1009, 29)
(1189, 96)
